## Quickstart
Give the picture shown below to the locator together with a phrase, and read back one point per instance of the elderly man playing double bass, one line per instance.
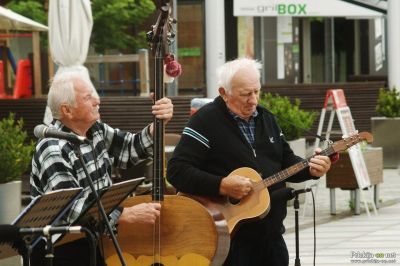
(74, 104)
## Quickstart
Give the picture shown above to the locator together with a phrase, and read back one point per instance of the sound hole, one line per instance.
(233, 201)
(157, 264)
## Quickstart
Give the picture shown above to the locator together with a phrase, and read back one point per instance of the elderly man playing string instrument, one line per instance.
(74, 104)
(234, 132)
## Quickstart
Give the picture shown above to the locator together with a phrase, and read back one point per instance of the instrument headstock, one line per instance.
(162, 34)
(346, 143)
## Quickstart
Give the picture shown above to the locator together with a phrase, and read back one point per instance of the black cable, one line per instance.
(96, 166)
(97, 184)
(296, 126)
(92, 245)
(315, 235)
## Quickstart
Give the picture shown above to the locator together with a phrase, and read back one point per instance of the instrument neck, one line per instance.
(158, 134)
(292, 170)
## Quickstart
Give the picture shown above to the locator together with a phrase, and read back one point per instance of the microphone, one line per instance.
(42, 131)
(11, 233)
(285, 194)
(51, 230)
(300, 191)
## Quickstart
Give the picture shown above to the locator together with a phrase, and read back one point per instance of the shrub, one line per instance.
(388, 103)
(15, 151)
(291, 118)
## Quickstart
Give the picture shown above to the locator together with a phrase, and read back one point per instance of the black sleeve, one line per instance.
(185, 167)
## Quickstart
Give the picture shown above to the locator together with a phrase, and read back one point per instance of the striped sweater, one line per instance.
(56, 166)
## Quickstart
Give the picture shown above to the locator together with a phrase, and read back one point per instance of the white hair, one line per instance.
(62, 88)
(226, 72)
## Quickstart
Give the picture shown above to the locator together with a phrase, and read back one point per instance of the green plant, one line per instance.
(15, 150)
(291, 118)
(116, 24)
(388, 103)
(115, 21)
(33, 9)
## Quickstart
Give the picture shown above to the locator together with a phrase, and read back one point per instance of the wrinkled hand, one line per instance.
(319, 164)
(235, 186)
(163, 109)
(144, 213)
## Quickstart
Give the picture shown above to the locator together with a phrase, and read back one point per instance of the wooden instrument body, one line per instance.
(254, 206)
(257, 203)
(188, 235)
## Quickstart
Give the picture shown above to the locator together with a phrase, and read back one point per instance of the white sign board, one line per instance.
(356, 157)
(301, 8)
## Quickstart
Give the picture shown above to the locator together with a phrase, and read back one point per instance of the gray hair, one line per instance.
(226, 72)
(62, 89)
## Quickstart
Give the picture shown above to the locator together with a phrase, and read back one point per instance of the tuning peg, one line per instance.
(149, 36)
(171, 35)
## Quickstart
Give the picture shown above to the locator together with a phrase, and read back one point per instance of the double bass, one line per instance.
(186, 233)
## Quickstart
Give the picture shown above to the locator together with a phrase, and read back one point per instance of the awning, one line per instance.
(10, 20)
(303, 8)
(377, 5)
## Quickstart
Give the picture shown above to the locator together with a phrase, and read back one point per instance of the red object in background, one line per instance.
(334, 157)
(172, 67)
(2, 90)
(23, 81)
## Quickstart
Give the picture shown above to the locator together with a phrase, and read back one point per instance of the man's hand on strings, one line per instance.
(144, 213)
(162, 109)
(319, 164)
(235, 186)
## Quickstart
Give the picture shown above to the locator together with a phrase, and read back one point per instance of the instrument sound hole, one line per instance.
(157, 264)
(233, 201)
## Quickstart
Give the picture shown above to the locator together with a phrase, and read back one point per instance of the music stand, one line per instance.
(43, 210)
(111, 198)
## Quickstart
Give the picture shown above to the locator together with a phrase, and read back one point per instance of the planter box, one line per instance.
(386, 135)
(10, 207)
(341, 175)
(10, 201)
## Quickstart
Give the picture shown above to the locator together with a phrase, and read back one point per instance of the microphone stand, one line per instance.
(49, 250)
(78, 153)
(47, 232)
(296, 221)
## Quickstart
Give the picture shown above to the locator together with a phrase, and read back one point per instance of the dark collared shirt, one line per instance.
(246, 127)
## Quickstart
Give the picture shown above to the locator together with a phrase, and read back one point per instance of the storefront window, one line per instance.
(191, 51)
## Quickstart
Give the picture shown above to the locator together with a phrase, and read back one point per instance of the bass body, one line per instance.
(186, 232)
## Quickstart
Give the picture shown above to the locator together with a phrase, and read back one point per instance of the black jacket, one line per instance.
(212, 146)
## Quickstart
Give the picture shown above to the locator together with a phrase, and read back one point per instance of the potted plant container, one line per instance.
(385, 128)
(15, 158)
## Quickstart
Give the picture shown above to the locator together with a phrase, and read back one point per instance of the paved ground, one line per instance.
(345, 238)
